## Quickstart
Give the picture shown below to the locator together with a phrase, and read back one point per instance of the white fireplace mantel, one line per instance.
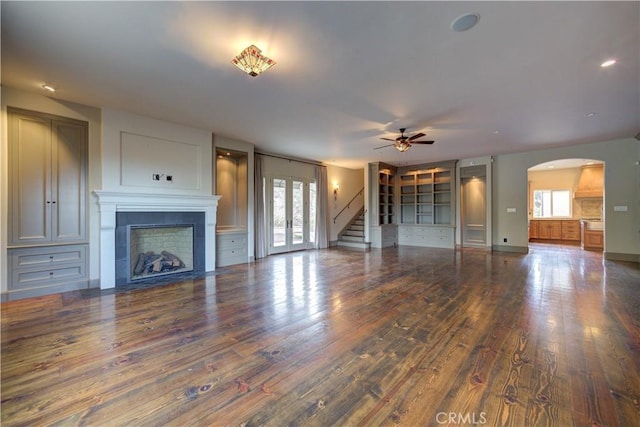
(111, 202)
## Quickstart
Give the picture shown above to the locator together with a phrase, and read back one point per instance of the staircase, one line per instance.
(353, 235)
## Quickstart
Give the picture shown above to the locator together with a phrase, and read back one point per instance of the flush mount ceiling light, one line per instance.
(465, 22)
(252, 61)
(608, 63)
(48, 88)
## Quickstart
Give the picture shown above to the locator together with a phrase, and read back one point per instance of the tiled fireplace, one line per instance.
(152, 244)
(145, 235)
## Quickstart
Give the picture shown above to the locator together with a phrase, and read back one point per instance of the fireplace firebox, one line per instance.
(153, 244)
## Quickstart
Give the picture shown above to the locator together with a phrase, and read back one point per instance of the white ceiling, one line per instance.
(347, 73)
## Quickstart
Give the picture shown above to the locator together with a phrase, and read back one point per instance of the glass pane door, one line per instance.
(289, 214)
(279, 213)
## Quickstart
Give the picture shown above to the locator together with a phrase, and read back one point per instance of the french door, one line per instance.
(290, 210)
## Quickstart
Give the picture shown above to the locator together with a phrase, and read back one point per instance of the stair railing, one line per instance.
(348, 204)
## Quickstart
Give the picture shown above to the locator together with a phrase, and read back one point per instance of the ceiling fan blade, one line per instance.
(416, 136)
(387, 139)
(384, 146)
(422, 142)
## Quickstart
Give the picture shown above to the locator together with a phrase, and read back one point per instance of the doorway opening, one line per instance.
(566, 203)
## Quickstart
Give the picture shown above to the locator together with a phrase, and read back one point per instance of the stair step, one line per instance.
(353, 233)
(354, 245)
(347, 238)
(356, 227)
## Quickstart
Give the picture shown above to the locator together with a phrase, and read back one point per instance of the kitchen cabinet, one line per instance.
(592, 240)
(565, 230)
(550, 229)
(570, 230)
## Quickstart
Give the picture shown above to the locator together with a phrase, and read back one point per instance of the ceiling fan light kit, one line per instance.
(403, 143)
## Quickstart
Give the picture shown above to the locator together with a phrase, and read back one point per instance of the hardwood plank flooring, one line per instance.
(400, 336)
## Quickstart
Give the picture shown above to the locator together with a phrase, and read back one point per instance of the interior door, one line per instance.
(473, 200)
(288, 214)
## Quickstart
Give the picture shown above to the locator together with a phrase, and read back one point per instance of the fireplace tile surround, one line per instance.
(110, 203)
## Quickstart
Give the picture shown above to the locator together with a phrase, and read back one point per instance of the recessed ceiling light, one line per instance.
(49, 88)
(608, 63)
(590, 114)
(496, 132)
(465, 22)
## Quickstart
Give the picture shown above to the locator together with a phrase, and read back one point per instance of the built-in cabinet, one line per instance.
(412, 205)
(425, 196)
(231, 183)
(426, 203)
(382, 229)
(47, 241)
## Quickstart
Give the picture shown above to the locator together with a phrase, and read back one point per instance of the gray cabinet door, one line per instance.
(30, 177)
(68, 182)
(47, 170)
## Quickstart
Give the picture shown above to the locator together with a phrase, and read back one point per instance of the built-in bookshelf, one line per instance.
(426, 196)
(386, 208)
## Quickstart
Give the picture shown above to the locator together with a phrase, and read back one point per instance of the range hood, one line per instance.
(591, 183)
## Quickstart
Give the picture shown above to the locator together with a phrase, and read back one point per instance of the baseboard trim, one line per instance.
(511, 249)
(616, 256)
(48, 290)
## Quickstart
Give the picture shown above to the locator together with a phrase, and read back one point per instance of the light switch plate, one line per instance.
(511, 210)
(620, 208)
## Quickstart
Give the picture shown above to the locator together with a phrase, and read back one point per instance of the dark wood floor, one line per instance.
(400, 336)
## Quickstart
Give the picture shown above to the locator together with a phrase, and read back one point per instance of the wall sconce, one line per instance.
(336, 187)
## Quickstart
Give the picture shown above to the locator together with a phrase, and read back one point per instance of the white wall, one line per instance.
(622, 188)
(33, 101)
(135, 147)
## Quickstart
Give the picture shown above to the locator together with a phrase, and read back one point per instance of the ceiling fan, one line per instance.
(403, 143)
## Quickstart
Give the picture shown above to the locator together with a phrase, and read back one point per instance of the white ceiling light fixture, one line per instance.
(465, 22)
(608, 63)
(252, 61)
(48, 88)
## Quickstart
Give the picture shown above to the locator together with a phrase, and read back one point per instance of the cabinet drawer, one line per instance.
(38, 257)
(231, 241)
(437, 237)
(45, 266)
(231, 259)
(38, 278)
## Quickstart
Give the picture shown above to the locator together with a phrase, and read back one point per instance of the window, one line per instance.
(551, 203)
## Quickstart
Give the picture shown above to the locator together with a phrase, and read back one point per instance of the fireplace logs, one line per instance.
(152, 263)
